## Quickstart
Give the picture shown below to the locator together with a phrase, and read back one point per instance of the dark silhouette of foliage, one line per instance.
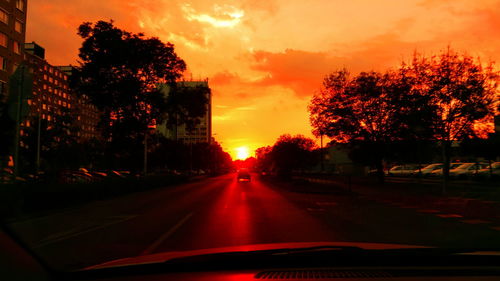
(361, 110)
(186, 105)
(439, 98)
(58, 142)
(289, 153)
(120, 72)
(460, 94)
(175, 155)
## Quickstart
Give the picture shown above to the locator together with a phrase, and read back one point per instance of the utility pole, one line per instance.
(321, 153)
(18, 123)
(145, 171)
(38, 145)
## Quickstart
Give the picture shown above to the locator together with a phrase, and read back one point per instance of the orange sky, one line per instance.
(265, 58)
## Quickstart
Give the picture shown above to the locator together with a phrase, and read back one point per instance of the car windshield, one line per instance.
(455, 165)
(464, 166)
(134, 128)
(433, 167)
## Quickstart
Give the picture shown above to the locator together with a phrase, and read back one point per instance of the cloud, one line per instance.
(299, 70)
(224, 15)
(303, 71)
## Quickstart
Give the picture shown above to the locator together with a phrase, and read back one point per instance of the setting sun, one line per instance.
(242, 153)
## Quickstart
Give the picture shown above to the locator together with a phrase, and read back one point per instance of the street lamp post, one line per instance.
(145, 164)
(321, 153)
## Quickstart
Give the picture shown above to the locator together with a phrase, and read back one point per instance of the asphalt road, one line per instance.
(218, 212)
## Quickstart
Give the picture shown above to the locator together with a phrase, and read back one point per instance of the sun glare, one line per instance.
(242, 153)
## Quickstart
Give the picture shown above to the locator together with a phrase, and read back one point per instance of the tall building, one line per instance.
(12, 37)
(52, 96)
(202, 133)
(87, 115)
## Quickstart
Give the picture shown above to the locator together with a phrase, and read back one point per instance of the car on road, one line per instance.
(243, 175)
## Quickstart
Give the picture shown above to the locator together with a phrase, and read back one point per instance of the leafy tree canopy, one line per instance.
(120, 72)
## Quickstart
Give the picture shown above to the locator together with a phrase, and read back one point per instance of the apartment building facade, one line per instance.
(53, 98)
(12, 37)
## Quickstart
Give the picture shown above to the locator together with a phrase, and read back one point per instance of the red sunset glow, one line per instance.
(265, 59)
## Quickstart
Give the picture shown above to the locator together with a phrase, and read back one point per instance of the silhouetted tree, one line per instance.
(58, 141)
(291, 153)
(460, 93)
(359, 110)
(120, 72)
(186, 105)
(264, 160)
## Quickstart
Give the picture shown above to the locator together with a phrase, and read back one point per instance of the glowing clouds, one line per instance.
(225, 16)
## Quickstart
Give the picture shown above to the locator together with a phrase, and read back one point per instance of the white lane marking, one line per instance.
(449, 216)
(73, 233)
(165, 235)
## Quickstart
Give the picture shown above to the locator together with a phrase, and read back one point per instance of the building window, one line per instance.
(3, 63)
(3, 39)
(16, 47)
(18, 26)
(20, 5)
(4, 17)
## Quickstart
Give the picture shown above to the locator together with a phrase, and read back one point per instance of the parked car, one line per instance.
(79, 176)
(439, 172)
(116, 174)
(486, 172)
(466, 170)
(427, 170)
(403, 170)
(6, 175)
(98, 175)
